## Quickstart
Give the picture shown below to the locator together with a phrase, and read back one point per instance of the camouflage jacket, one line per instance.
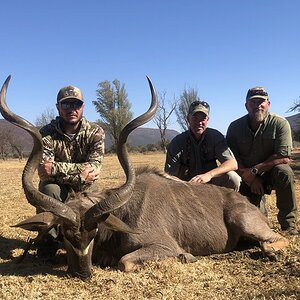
(70, 155)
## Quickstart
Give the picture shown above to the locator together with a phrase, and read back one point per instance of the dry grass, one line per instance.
(237, 275)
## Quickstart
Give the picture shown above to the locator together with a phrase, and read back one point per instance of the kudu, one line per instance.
(151, 216)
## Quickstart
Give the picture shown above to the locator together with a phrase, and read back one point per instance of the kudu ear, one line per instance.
(39, 222)
(116, 224)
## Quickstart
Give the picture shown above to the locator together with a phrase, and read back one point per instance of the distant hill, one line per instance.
(144, 136)
(294, 121)
(139, 137)
(18, 134)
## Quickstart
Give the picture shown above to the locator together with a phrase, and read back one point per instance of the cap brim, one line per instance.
(70, 98)
(199, 110)
(258, 97)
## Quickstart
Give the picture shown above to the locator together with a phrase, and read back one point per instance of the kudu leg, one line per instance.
(248, 221)
(155, 251)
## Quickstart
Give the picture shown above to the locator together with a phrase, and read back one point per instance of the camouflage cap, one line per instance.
(199, 106)
(69, 92)
(257, 92)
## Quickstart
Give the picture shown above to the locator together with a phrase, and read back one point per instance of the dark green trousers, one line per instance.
(281, 179)
(60, 192)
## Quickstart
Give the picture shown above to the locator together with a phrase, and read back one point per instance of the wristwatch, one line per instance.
(254, 171)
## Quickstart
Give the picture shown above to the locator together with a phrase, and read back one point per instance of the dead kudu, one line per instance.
(151, 216)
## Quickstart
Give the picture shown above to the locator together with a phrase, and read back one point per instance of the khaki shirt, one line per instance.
(70, 154)
(187, 157)
(272, 137)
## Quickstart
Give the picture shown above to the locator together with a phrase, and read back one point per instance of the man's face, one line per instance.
(198, 123)
(257, 109)
(70, 111)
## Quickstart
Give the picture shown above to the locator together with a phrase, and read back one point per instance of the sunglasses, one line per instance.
(203, 103)
(71, 104)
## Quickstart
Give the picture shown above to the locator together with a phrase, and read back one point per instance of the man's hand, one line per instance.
(257, 186)
(254, 182)
(89, 174)
(45, 170)
(247, 176)
(202, 178)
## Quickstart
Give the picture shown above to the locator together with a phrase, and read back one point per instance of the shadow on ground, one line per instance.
(30, 265)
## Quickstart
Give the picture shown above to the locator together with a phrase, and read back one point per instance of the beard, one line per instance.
(259, 115)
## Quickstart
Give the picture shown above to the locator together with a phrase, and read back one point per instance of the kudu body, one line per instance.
(151, 216)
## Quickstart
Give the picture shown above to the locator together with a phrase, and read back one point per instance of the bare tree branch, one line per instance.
(162, 118)
(295, 106)
(186, 98)
(45, 117)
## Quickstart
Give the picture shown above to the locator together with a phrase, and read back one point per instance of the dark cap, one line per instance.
(69, 92)
(257, 92)
(199, 106)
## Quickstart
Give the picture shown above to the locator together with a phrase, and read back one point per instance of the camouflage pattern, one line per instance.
(70, 155)
(69, 92)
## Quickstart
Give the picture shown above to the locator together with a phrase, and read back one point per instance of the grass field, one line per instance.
(243, 274)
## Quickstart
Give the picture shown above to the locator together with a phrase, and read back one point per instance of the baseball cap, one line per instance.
(69, 92)
(257, 92)
(199, 106)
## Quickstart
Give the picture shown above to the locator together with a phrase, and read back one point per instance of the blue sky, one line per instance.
(221, 48)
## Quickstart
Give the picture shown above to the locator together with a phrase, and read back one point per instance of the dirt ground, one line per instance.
(242, 274)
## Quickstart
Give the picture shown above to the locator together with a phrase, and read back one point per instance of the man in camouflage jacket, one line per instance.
(73, 149)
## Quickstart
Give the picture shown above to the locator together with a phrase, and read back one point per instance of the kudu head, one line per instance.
(79, 216)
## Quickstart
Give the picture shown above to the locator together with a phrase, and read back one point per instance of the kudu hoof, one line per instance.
(270, 249)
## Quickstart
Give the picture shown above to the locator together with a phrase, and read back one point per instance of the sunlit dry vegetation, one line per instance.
(242, 274)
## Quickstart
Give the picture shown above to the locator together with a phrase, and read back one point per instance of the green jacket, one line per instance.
(70, 154)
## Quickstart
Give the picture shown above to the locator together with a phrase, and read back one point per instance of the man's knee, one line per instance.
(282, 175)
(230, 180)
(51, 189)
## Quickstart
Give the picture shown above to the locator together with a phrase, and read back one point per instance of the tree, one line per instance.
(17, 146)
(161, 119)
(295, 106)
(45, 117)
(11, 144)
(182, 108)
(5, 148)
(113, 106)
(296, 127)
